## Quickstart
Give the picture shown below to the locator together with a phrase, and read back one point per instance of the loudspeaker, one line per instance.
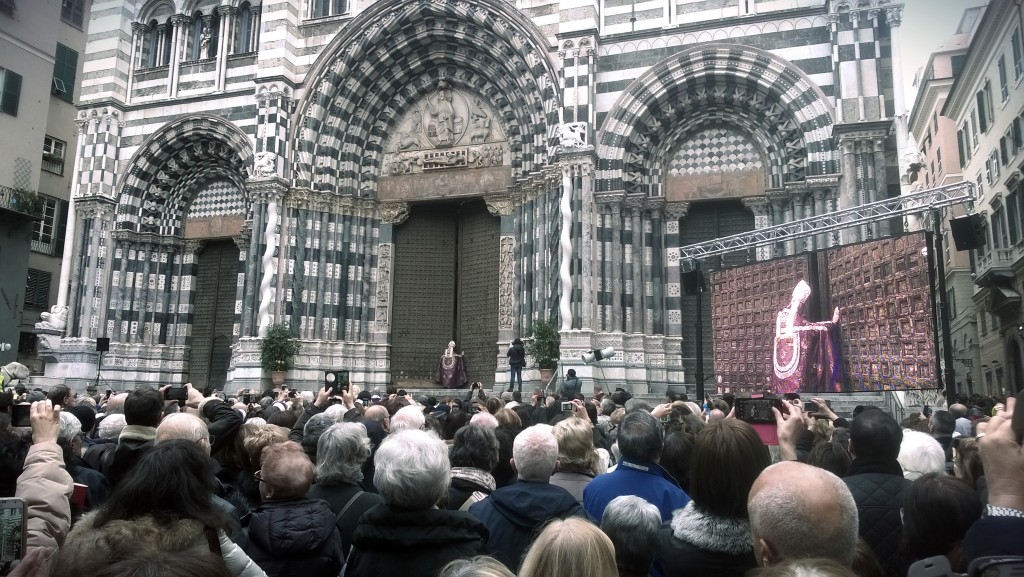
(968, 232)
(102, 344)
(693, 281)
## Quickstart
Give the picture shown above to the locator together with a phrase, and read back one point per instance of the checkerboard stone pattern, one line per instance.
(217, 198)
(715, 150)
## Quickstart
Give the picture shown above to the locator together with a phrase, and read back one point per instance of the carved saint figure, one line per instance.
(806, 354)
(204, 43)
(443, 114)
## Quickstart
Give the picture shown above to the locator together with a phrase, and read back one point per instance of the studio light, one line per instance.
(598, 355)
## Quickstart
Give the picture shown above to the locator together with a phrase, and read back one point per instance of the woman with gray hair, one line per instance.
(473, 455)
(341, 452)
(407, 535)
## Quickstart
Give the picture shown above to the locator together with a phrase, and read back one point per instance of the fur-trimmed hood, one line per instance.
(711, 533)
(179, 535)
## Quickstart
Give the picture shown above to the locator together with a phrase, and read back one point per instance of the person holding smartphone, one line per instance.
(45, 486)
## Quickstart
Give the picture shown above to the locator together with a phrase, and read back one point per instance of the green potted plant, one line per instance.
(543, 346)
(277, 351)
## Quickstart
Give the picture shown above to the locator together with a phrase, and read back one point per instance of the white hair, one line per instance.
(919, 454)
(632, 524)
(340, 453)
(408, 417)
(794, 526)
(412, 469)
(484, 420)
(111, 425)
(535, 451)
(256, 421)
(336, 412)
(70, 427)
(182, 426)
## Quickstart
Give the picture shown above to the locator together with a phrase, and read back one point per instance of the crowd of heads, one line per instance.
(156, 469)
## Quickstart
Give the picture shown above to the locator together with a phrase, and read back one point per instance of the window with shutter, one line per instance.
(10, 91)
(65, 67)
(37, 289)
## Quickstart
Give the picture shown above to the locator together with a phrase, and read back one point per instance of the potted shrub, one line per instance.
(543, 346)
(277, 351)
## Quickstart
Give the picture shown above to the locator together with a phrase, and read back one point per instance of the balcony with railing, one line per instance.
(995, 267)
(25, 202)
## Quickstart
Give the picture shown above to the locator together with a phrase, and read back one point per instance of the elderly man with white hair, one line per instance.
(632, 524)
(70, 440)
(189, 427)
(408, 417)
(107, 432)
(920, 454)
(408, 535)
(513, 514)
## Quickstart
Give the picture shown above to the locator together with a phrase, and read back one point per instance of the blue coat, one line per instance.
(514, 514)
(645, 480)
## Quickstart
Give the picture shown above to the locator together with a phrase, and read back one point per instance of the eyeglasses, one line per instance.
(258, 475)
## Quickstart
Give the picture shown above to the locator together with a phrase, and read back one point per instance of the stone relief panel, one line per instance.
(448, 128)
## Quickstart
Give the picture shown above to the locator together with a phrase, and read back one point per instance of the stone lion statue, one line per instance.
(264, 164)
(56, 319)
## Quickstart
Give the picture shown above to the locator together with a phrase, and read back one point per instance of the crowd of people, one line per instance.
(347, 483)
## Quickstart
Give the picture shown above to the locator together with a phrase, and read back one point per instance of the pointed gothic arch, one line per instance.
(776, 103)
(393, 55)
(171, 166)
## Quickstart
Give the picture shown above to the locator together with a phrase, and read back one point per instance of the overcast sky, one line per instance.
(926, 24)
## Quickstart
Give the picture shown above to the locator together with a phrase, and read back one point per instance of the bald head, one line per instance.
(798, 511)
(376, 413)
(959, 411)
(184, 426)
(116, 403)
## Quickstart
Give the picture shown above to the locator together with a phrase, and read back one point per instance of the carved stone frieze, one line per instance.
(447, 128)
(506, 270)
(382, 306)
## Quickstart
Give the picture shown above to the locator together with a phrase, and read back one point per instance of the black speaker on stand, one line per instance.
(968, 232)
(102, 346)
(694, 285)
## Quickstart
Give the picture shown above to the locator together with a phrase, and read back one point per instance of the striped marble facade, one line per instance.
(278, 136)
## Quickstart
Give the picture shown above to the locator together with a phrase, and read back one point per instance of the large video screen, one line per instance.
(852, 318)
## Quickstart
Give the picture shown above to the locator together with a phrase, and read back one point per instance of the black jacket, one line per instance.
(225, 422)
(338, 496)
(514, 514)
(698, 544)
(516, 355)
(878, 488)
(393, 541)
(294, 538)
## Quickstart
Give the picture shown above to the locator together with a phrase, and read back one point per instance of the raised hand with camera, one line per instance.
(1002, 456)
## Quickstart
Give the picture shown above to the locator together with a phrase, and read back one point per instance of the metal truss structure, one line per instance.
(924, 201)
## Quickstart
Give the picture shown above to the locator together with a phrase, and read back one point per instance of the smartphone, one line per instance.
(757, 411)
(12, 533)
(566, 406)
(1017, 424)
(247, 398)
(810, 407)
(343, 380)
(21, 415)
(293, 393)
(176, 393)
(78, 495)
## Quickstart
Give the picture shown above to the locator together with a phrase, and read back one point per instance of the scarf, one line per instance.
(711, 533)
(476, 476)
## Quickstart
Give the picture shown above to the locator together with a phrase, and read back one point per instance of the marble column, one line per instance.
(227, 18)
(759, 206)
(178, 44)
(135, 60)
(674, 213)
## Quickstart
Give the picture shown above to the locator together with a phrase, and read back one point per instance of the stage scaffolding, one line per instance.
(926, 202)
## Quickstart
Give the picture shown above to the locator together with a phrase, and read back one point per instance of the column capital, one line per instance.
(756, 204)
(195, 246)
(676, 210)
(181, 20)
(225, 10)
(138, 27)
(393, 212)
(502, 203)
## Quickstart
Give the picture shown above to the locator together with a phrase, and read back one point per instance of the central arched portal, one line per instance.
(446, 288)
